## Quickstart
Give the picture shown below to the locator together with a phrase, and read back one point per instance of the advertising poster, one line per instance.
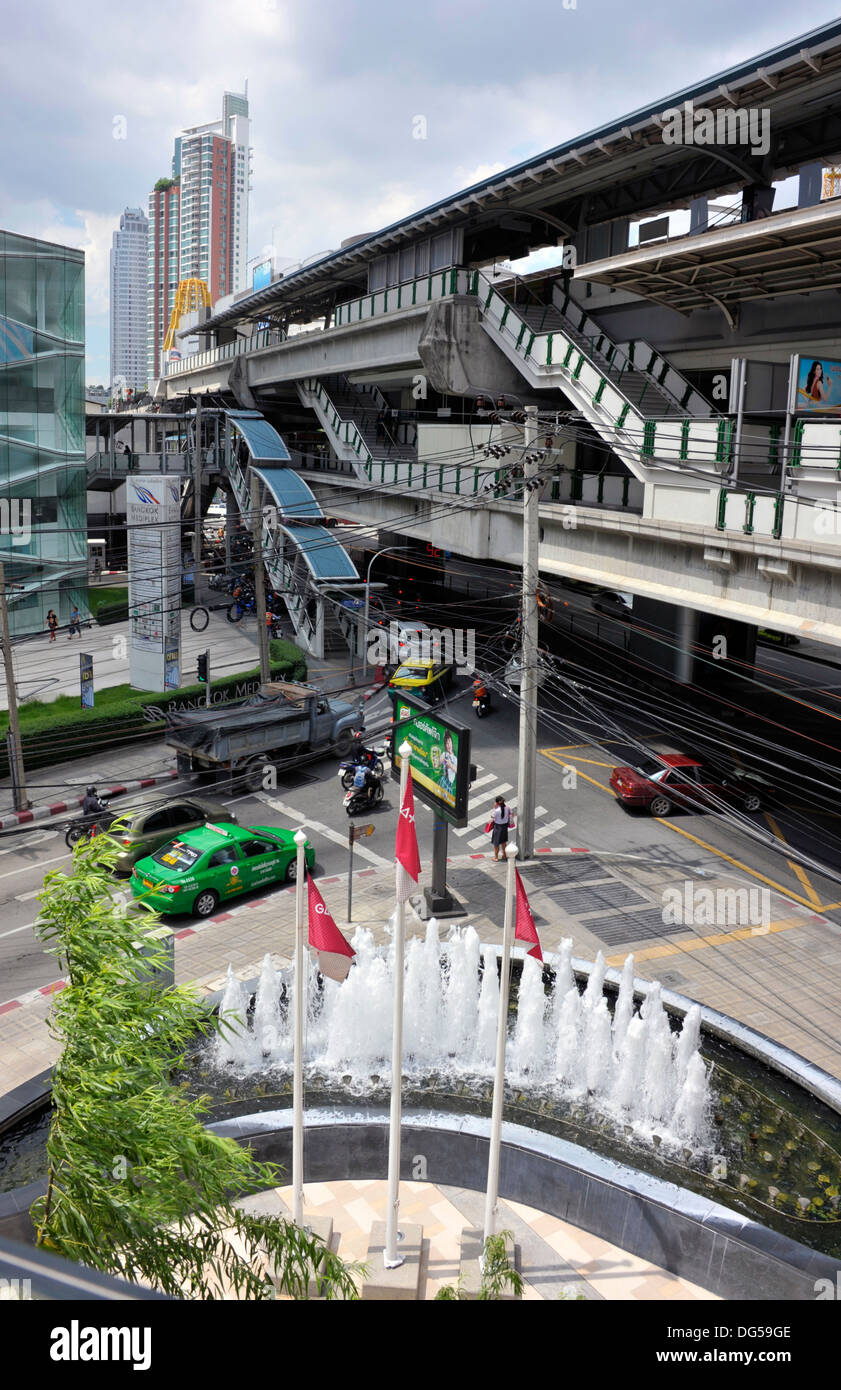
(153, 514)
(86, 678)
(440, 757)
(818, 385)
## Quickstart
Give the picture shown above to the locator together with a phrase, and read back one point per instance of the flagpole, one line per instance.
(491, 1198)
(390, 1255)
(298, 1063)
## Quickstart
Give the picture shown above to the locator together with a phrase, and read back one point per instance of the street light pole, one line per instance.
(384, 551)
(527, 767)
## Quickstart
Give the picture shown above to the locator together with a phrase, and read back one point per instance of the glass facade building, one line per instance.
(43, 520)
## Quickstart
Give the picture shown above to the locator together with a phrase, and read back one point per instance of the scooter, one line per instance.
(361, 757)
(482, 704)
(360, 799)
(85, 827)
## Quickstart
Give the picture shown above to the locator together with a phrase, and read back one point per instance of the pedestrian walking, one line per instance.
(52, 624)
(500, 823)
(75, 623)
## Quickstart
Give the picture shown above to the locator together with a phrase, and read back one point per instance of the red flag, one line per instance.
(525, 930)
(334, 952)
(406, 846)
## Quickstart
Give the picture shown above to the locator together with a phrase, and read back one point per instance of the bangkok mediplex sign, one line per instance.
(816, 384)
(440, 760)
(153, 517)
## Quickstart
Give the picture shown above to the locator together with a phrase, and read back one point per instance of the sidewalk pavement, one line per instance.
(783, 978)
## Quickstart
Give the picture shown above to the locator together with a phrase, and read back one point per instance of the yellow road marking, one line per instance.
(698, 943)
(796, 869)
(585, 775)
(737, 863)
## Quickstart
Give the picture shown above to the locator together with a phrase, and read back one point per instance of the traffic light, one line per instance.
(204, 657)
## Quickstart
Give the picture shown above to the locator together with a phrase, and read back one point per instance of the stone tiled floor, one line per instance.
(556, 1259)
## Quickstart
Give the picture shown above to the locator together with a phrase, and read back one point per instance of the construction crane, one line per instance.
(831, 182)
(190, 296)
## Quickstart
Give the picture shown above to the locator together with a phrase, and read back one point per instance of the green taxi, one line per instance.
(215, 863)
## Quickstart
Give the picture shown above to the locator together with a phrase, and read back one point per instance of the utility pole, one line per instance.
(527, 766)
(259, 579)
(197, 518)
(16, 751)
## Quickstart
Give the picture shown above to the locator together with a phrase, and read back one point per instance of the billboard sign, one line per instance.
(440, 758)
(153, 514)
(86, 679)
(261, 276)
(818, 389)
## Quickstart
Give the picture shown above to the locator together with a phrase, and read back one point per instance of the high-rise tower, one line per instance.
(129, 271)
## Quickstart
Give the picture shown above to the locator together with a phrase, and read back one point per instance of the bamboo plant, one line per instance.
(137, 1185)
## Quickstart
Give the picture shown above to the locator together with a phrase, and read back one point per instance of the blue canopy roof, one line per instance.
(325, 557)
(262, 439)
(293, 497)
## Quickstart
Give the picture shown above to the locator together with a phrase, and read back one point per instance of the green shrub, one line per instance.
(56, 732)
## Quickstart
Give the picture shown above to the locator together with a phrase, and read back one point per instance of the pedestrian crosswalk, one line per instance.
(483, 792)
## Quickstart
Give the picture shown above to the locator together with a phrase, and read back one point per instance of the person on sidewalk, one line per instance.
(501, 821)
(75, 624)
(52, 624)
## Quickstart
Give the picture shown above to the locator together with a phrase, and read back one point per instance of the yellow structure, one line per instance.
(831, 182)
(190, 296)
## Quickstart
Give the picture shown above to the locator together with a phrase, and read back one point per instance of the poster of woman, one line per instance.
(818, 385)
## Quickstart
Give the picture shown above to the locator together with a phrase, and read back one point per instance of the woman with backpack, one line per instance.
(500, 823)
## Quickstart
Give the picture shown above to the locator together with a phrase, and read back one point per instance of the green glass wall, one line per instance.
(43, 524)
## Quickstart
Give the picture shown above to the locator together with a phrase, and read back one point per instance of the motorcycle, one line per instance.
(361, 757)
(360, 799)
(482, 703)
(85, 827)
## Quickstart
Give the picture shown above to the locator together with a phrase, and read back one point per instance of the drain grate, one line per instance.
(628, 927)
(585, 898)
(569, 869)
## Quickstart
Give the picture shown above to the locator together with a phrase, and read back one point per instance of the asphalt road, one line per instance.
(574, 807)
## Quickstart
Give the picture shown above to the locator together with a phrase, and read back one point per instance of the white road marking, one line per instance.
(309, 824)
(485, 815)
(56, 859)
(550, 829)
(15, 930)
(25, 897)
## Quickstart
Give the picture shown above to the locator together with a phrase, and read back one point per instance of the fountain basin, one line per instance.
(687, 1219)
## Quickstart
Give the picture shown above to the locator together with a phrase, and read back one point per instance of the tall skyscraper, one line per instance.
(198, 220)
(129, 269)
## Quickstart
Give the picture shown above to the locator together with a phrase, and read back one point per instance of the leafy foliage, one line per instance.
(498, 1277)
(137, 1185)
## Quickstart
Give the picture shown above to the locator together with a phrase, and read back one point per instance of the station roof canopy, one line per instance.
(623, 169)
(792, 252)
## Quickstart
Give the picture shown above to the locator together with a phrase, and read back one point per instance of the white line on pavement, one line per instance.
(550, 829)
(36, 865)
(25, 897)
(15, 930)
(325, 830)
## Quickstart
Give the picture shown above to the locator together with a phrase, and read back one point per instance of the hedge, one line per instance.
(52, 735)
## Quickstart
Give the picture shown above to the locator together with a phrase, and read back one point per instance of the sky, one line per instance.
(94, 93)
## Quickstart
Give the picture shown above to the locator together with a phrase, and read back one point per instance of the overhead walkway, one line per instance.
(305, 563)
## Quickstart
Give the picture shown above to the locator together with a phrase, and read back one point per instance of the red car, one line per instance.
(676, 780)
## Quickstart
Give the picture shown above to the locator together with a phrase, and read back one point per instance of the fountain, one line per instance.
(628, 1069)
(713, 1150)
